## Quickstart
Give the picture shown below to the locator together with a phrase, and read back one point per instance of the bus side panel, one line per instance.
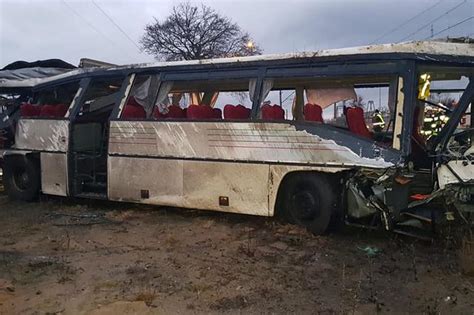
(244, 141)
(190, 184)
(42, 135)
(153, 181)
(54, 174)
(227, 187)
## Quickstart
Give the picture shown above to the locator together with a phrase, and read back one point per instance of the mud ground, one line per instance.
(62, 256)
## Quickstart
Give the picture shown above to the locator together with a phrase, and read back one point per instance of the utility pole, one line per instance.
(432, 32)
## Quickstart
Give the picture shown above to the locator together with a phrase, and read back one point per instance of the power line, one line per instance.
(85, 20)
(434, 20)
(450, 27)
(116, 25)
(98, 31)
(404, 23)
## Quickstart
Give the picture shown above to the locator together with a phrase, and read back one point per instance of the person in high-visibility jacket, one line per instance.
(378, 123)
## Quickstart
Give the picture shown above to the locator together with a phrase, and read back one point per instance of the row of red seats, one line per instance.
(133, 110)
(54, 111)
(312, 112)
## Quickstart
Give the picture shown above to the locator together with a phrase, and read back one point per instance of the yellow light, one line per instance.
(249, 44)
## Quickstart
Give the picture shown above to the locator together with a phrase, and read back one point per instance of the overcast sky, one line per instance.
(70, 30)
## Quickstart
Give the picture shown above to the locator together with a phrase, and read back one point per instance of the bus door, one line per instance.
(89, 138)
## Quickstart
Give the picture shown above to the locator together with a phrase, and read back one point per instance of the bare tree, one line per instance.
(193, 32)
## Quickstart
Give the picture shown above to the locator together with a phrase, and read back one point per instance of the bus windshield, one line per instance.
(439, 93)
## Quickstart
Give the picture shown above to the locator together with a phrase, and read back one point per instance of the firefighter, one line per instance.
(378, 123)
(434, 121)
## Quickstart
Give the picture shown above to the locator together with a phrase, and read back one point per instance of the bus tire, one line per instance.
(309, 201)
(21, 178)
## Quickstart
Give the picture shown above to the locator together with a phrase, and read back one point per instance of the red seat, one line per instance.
(157, 114)
(133, 110)
(236, 112)
(176, 112)
(356, 122)
(273, 112)
(48, 111)
(29, 110)
(61, 110)
(313, 112)
(202, 112)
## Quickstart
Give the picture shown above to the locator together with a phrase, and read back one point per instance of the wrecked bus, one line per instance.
(205, 135)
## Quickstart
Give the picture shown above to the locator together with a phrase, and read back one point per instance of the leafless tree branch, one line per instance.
(192, 32)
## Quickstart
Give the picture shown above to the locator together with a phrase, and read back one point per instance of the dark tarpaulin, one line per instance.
(48, 63)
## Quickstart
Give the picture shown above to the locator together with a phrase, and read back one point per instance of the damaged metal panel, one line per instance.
(191, 184)
(306, 144)
(54, 174)
(129, 176)
(50, 135)
(268, 151)
(455, 172)
(207, 183)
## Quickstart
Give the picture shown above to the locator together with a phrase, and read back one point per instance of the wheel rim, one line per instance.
(21, 179)
(305, 205)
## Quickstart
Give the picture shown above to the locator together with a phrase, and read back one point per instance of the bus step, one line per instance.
(92, 195)
(94, 187)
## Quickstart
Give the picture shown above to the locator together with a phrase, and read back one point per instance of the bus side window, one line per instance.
(140, 101)
(52, 102)
(203, 100)
(100, 98)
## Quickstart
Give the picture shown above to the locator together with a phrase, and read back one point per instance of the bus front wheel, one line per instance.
(309, 201)
(21, 178)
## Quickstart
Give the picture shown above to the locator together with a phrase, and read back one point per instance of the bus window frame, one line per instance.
(394, 68)
(38, 89)
(164, 77)
(84, 86)
(440, 143)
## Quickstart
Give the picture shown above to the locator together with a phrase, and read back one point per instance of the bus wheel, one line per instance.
(309, 202)
(21, 178)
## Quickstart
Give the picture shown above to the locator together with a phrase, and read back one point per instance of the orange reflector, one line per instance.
(419, 197)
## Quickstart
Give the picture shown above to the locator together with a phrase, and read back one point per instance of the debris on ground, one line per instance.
(60, 256)
(370, 251)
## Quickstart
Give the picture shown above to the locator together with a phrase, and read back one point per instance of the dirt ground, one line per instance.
(61, 256)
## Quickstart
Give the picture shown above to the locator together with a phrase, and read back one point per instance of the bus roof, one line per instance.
(422, 50)
(423, 47)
